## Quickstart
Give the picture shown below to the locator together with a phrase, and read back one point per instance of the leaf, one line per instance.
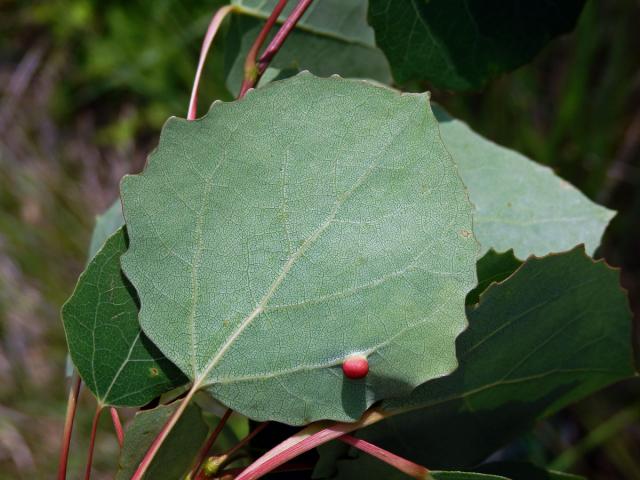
(461, 44)
(115, 359)
(176, 453)
(519, 204)
(493, 267)
(333, 37)
(525, 471)
(558, 329)
(314, 219)
(106, 224)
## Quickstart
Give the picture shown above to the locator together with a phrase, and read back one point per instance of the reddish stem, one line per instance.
(289, 467)
(117, 425)
(214, 26)
(92, 442)
(406, 466)
(163, 434)
(72, 406)
(246, 439)
(250, 66)
(202, 454)
(275, 44)
(308, 438)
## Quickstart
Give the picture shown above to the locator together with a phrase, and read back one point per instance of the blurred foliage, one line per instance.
(85, 87)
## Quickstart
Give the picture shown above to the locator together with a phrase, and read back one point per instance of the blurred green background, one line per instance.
(85, 87)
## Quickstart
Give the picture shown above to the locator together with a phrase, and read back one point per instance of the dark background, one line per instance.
(84, 89)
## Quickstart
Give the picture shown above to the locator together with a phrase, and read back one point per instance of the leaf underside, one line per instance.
(555, 331)
(106, 224)
(114, 358)
(314, 219)
(520, 204)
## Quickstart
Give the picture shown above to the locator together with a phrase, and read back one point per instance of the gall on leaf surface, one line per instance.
(116, 361)
(312, 220)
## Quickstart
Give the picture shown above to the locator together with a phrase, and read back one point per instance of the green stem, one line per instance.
(596, 437)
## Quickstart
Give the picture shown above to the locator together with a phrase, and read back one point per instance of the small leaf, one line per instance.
(461, 44)
(333, 37)
(106, 224)
(115, 359)
(178, 451)
(493, 267)
(312, 220)
(519, 204)
(558, 329)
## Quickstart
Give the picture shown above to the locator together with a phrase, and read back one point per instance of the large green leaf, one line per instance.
(106, 224)
(555, 331)
(333, 37)
(313, 219)
(493, 267)
(518, 203)
(178, 451)
(114, 358)
(461, 44)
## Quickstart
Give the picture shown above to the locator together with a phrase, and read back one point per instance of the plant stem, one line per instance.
(250, 65)
(202, 454)
(92, 442)
(246, 439)
(72, 404)
(163, 434)
(308, 438)
(214, 26)
(405, 466)
(275, 45)
(117, 425)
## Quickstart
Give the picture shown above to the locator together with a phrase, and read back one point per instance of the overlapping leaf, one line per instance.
(106, 224)
(555, 331)
(114, 358)
(519, 204)
(333, 37)
(460, 44)
(177, 452)
(313, 219)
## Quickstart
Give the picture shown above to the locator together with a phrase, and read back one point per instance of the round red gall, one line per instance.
(355, 366)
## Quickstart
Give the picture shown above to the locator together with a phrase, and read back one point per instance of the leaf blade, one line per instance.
(328, 185)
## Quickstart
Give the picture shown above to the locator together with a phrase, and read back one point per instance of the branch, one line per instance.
(202, 454)
(275, 45)
(72, 405)
(310, 437)
(250, 65)
(405, 466)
